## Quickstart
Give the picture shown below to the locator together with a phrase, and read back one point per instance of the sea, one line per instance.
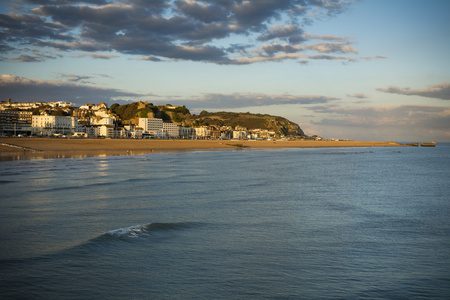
(323, 223)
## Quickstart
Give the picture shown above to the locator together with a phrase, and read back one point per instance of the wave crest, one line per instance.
(137, 231)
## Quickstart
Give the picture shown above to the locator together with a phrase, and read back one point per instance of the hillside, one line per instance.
(250, 121)
(130, 113)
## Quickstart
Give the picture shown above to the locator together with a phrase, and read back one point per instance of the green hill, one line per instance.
(130, 114)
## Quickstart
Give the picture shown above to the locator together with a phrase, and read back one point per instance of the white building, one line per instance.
(106, 131)
(202, 132)
(158, 127)
(239, 134)
(48, 125)
(102, 121)
(171, 129)
(151, 125)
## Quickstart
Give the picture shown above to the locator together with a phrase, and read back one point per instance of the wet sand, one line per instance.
(30, 148)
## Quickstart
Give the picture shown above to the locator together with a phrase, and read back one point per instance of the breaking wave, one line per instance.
(139, 231)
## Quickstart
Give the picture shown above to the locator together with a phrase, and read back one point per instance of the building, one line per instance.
(102, 121)
(106, 131)
(159, 128)
(239, 134)
(151, 125)
(202, 132)
(15, 123)
(49, 125)
(186, 132)
(171, 129)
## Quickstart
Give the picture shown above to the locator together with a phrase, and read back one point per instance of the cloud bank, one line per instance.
(158, 30)
(237, 100)
(438, 91)
(74, 89)
(24, 89)
(410, 122)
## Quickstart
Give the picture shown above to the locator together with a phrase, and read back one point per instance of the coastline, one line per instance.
(40, 148)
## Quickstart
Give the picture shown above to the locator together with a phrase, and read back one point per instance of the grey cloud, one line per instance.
(332, 48)
(358, 95)
(291, 32)
(76, 78)
(402, 123)
(37, 57)
(28, 29)
(275, 47)
(27, 58)
(374, 57)
(181, 29)
(207, 13)
(99, 56)
(62, 2)
(150, 58)
(328, 37)
(254, 13)
(24, 89)
(397, 123)
(438, 91)
(236, 100)
(323, 48)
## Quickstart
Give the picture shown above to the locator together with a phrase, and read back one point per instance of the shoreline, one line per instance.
(41, 148)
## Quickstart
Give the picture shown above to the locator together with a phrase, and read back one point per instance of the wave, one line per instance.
(136, 233)
(146, 230)
(153, 232)
(90, 185)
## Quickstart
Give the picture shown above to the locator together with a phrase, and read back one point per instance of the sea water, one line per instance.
(336, 223)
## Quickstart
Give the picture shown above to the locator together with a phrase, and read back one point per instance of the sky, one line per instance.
(349, 69)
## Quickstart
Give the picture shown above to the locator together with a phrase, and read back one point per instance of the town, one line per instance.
(61, 119)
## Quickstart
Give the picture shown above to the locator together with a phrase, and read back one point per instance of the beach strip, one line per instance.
(17, 148)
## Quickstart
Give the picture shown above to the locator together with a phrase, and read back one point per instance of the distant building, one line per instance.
(49, 125)
(106, 131)
(15, 123)
(151, 125)
(159, 128)
(239, 134)
(171, 129)
(202, 132)
(186, 132)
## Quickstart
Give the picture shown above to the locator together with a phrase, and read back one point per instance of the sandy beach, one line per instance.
(27, 148)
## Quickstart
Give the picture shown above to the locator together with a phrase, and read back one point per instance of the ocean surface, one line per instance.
(336, 223)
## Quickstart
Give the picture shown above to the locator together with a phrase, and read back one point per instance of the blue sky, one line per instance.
(366, 70)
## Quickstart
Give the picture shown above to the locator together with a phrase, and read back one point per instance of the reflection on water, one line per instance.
(12, 156)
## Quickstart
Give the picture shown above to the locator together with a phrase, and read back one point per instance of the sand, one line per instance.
(27, 148)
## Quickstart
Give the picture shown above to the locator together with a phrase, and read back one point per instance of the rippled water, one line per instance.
(284, 224)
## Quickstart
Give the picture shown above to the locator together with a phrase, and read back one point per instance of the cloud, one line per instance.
(324, 48)
(332, 48)
(290, 32)
(438, 91)
(24, 89)
(195, 30)
(76, 78)
(27, 58)
(358, 95)
(401, 123)
(230, 101)
(150, 58)
(328, 37)
(99, 56)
